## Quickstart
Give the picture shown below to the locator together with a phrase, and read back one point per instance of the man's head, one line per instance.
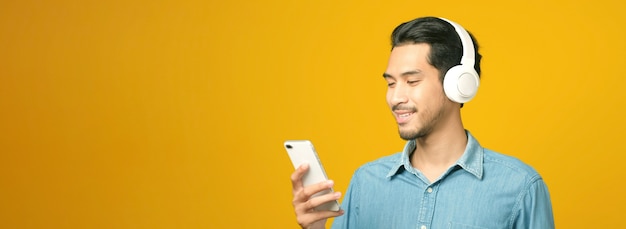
(446, 47)
(423, 51)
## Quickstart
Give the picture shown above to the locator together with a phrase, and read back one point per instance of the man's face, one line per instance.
(414, 93)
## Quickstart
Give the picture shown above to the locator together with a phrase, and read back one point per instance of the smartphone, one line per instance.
(302, 151)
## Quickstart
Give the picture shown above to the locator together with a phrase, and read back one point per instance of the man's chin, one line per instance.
(408, 135)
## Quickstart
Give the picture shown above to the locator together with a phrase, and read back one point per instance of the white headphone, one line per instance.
(461, 82)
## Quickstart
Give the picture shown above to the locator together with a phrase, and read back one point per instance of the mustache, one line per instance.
(403, 107)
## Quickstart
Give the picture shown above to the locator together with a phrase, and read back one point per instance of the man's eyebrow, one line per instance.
(404, 74)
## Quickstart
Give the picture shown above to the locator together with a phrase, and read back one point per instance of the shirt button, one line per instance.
(423, 227)
(429, 190)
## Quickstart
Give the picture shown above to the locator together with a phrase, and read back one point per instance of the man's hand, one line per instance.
(304, 205)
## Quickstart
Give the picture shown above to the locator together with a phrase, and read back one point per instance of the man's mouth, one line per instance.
(403, 117)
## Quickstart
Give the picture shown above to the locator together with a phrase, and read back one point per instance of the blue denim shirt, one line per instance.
(484, 189)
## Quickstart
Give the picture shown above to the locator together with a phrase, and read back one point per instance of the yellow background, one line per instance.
(172, 114)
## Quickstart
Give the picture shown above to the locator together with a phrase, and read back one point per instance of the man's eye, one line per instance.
(413, 82)
(391, 84)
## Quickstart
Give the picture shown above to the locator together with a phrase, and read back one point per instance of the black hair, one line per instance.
(446, 49)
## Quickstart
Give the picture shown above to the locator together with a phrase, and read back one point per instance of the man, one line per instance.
(443, 178)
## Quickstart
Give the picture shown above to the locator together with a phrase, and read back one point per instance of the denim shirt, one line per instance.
(484, 189)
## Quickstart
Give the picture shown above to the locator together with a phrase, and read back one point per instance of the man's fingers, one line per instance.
(304, 194)
(319, 200)
(304, 204)
(315, 188)
(296, 177)
(308, 219)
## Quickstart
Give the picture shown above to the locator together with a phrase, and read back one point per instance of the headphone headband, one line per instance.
(466, 42)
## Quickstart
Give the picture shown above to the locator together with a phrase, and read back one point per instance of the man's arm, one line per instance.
(535, 208)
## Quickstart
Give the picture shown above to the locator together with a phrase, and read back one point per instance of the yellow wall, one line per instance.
(171, 114)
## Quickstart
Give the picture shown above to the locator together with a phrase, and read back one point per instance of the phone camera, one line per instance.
(288, 146)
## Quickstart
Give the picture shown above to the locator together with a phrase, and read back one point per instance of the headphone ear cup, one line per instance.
(461, 83)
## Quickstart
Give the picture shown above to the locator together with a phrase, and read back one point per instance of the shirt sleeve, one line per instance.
(535, 208)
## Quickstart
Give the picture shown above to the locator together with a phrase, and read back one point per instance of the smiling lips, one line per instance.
(403, 116)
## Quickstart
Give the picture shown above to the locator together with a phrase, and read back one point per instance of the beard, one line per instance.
(414, 134)
(429, 120)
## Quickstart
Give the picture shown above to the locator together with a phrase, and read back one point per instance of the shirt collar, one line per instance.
(471, 160)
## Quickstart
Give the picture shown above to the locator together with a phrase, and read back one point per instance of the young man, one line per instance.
(443, 178)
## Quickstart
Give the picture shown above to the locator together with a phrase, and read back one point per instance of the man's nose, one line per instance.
(399, 95)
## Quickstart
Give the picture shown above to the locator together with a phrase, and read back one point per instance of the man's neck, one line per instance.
(439, 150)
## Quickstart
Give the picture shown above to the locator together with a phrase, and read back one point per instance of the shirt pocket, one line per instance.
(455, 225)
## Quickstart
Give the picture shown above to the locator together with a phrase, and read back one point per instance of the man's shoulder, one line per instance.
(503, 162)
(392, 159)
(381, 165)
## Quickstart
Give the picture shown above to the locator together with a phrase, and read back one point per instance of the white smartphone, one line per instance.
(302, 151)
